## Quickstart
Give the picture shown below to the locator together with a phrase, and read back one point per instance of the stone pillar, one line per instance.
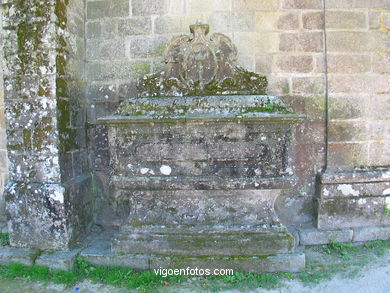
(48, 195)
(355, 190)
(3, 137)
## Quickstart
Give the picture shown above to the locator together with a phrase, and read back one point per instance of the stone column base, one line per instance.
(47, 216)
(354, 199)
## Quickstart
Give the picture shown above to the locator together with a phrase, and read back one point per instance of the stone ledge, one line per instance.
(312, 236)
(371, 233)
(59, 260)
(356, 176)
(320, 237)
(22, 256)
(99, 254)
(353, 199)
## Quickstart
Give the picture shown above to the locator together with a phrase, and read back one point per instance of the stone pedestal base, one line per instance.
(354, 199)
(202, 223)
(48, 216)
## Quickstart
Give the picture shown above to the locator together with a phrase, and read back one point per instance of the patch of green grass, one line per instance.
(123, 276)
(4, 239)
(336, 258)
(316, 272)
(341, 249)
(378, 247)
(386, 211)
(38, 273)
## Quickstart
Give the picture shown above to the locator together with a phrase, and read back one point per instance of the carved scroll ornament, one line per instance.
(201, 65)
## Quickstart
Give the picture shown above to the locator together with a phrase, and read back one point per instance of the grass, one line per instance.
(323, 262)
(342, 249)
(4, 239)
(386, 211)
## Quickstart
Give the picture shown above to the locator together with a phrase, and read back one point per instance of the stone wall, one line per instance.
(358, 40)
(354, 191)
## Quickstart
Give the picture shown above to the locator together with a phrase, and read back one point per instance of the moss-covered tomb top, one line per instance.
(210, 105)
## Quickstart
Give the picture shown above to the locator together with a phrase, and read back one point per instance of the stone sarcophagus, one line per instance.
(199, 158)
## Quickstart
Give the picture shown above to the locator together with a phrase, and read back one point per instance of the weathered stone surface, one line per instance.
(359, 83)
(320, 237)
(98, 50)
(16, 255)
(295, 63)
(200, 66)
(351, 212)
(99, 253)
(302, 4)
(148, 7)
(381, 63)
(386, 20)
(344, 156)
(358, 4)
(63, 260)
(243, 21)
(255, 5)
(350, 189)
(107, 8)
(371, 233)
(354, 199)
(41, 218)
(357, 41)
(313, 20)
(349, 63)
(141, 47)
(346, 130)
(135, 26)
(308, 85)
(374, 19)
(292, 262)
(379, 153)
(301, 42)
(345, 20)
(288, 21)
(109, 70)
(340, 107)
(200, 243)
(175, 158)
(45, 115)
(266, 20)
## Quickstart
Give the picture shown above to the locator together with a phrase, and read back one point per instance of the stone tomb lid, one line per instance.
(223, 108)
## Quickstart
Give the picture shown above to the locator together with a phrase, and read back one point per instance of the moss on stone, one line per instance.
(27, 139)
(67, 135)
(269, 108)
(242, 82)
